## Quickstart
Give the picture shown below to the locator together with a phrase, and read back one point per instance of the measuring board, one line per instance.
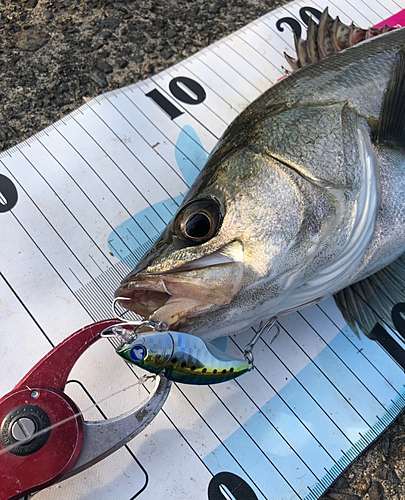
(81, 201)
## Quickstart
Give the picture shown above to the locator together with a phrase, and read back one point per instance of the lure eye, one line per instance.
(198, 221)
(138, 353)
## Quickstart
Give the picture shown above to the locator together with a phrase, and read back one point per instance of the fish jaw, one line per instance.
(178, 295)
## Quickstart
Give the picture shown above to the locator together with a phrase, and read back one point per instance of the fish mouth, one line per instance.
(179, 295)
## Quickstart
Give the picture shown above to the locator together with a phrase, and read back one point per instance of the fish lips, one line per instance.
(189, 290)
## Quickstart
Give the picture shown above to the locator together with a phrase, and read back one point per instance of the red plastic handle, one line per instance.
(54, 368)
(41, 392)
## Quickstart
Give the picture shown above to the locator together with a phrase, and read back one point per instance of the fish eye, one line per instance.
(198, 221)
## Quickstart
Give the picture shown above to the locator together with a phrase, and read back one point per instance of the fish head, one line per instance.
(230, 248)
(272, 208)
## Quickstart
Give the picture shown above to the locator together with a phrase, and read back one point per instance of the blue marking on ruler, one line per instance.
(128, 241)
(311, 431)
(190, 154)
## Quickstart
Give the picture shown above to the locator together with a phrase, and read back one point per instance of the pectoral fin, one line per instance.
(371, 300)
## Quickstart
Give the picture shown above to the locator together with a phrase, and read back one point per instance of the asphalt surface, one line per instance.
(54, 54)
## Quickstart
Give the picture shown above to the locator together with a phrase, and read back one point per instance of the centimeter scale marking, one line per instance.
(81, 201)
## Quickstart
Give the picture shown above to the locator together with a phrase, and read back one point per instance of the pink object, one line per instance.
(395, 20)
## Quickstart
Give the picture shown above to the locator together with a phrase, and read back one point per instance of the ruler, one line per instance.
(81, 202)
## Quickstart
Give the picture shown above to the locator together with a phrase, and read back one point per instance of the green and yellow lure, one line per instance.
(182, 357)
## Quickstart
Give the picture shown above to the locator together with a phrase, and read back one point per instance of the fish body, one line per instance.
(182, 358)
(302, 197)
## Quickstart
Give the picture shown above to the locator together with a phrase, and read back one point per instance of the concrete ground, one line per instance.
(56, 53)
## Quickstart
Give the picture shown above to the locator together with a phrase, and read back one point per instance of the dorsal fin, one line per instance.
(328, 37)
(392, 117)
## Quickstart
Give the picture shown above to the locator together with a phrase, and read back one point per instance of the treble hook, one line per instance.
(113, 307)
(248, 350)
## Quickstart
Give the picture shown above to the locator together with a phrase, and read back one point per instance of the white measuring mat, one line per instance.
(81, 201)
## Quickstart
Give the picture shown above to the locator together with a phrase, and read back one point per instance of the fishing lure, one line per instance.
(181, 357)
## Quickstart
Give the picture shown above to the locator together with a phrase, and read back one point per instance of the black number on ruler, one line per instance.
(304, 14)
(379, 334)
(231, 483)
(8, 194)
(195, 95)
(397, 319)
(294, 24)
(164, 104)
(184, 89)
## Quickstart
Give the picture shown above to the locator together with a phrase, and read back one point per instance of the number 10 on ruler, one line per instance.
(184, 89)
